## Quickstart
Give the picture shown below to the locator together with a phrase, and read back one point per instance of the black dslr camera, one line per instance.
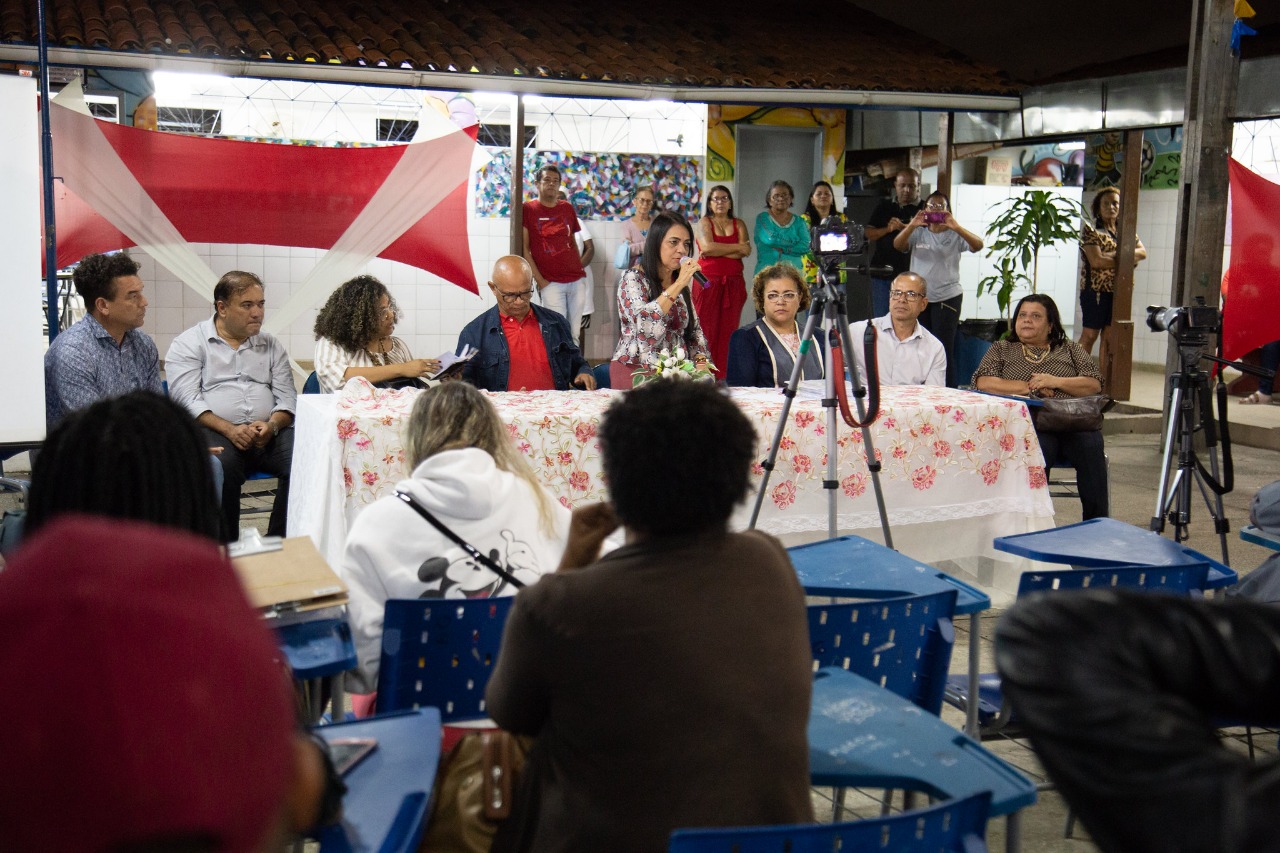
(1185, 321)
(834, 238)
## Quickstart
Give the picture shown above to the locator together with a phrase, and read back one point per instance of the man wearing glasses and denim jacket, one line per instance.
(906, 352)
(520, 346)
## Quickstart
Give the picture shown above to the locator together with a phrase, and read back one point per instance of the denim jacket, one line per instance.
(491, 366)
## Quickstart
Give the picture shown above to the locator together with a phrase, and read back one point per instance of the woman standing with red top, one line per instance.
(723, 242)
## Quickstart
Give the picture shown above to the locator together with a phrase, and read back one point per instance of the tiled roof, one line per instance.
(746, 44)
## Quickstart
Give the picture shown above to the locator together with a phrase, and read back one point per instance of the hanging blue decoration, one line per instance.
(1238, 30)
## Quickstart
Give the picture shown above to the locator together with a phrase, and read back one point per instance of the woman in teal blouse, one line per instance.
(781, 236)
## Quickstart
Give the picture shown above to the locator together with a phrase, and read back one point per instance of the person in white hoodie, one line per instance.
(469, 474)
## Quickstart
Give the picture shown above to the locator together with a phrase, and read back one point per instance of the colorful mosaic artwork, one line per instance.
(599, 186)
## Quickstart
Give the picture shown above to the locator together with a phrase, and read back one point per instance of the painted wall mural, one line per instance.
(1065, 166)
(599, 186)
(722, 147)
(1161, 159)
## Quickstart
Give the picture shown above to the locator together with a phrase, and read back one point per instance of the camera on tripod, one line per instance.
(835, 238)
(1188, 320)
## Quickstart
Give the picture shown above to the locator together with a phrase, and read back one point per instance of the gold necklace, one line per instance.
(1037, 357)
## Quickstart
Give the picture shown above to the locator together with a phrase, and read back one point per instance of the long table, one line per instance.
(959, 468)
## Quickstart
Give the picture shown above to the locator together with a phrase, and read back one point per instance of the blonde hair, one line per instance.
(455, 415)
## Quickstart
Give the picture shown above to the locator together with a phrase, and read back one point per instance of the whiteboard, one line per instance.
(22, 374)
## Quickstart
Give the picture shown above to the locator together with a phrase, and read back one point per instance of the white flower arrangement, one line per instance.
(673, 365)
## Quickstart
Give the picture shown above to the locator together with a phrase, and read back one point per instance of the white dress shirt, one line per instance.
(919, 360)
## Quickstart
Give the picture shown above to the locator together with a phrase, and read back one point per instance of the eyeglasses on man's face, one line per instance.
(783, 296)
(909, 295)
(522, 296)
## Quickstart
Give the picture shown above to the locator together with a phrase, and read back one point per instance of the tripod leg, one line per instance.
(789, 391)
(1175, 400)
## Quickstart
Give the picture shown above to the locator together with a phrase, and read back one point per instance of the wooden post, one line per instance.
(1212, 74)
(517, 178)
(1116, 353)
(946, 149)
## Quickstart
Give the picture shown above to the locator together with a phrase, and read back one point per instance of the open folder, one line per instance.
(451, 364)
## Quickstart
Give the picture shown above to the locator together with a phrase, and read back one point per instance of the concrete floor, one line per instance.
(1134, 442)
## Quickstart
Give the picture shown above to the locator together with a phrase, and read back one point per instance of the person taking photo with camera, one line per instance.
(936, 242)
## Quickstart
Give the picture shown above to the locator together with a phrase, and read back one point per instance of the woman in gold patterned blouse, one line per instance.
(353, 338)
(1041, 361)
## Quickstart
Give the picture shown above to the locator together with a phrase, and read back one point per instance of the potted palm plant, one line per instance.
(1025, 224)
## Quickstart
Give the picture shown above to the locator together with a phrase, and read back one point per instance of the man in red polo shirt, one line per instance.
(521, 346)
(549, 246)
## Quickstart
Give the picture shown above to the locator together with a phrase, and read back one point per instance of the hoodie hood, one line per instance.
(464, 484)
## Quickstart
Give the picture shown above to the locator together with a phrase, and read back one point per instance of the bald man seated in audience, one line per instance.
(154, 715)
(906, 352)
(521, 346)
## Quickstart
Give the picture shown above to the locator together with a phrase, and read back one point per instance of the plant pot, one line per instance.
(975, 338)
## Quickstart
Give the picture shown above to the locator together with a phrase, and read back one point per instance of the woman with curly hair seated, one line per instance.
(353, 338)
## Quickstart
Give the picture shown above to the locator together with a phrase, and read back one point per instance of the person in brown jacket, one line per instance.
(668, 681)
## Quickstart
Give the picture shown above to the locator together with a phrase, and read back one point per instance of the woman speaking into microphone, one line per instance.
(655, 308)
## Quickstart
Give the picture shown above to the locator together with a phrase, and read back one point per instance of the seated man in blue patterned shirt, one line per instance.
(236, 381)
(105, 354)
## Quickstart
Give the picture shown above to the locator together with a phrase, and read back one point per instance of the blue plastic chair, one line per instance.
(440, 653)
(953, 826)
(903, 644)
(994, 715)
(601, 373)
(1258, 536)
(312, 385)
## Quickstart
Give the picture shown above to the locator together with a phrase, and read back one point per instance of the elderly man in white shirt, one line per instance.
(906, 352)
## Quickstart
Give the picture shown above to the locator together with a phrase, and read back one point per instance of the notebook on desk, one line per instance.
(294, 578)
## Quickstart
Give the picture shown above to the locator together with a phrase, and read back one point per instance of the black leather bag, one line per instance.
(1072, 414)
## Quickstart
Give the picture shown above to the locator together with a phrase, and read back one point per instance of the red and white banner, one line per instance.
(121, 186)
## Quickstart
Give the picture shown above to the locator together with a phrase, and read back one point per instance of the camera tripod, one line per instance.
(1191, 411)
(827, 313)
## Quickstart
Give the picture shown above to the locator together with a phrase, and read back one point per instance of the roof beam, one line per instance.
(453, 81)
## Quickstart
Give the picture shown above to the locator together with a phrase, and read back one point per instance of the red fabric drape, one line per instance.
(1251, 315)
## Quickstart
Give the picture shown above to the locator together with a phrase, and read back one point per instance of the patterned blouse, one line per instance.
(1100, 281)
(647, 329)
(1008, 360)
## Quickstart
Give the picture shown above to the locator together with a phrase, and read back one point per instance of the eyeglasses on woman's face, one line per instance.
(909, 295)
(781, 296)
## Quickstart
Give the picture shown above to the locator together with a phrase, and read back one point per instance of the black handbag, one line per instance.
(1072, 414)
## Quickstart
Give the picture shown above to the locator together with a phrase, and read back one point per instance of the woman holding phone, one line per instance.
(936, 242)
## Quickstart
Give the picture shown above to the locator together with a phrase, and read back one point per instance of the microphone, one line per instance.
(700, 278)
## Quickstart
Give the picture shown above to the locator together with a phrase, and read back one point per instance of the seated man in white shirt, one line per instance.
(906, 352)
(236, 381)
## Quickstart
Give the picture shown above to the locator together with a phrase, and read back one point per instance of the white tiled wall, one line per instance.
(1059, 269)
(433, 310)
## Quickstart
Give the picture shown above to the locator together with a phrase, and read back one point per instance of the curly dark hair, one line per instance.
(776, 271)
(138, 456)
(95, 276)
(351, 317)
(705, 470)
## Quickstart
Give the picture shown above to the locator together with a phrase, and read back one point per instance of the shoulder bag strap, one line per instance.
(459, 541)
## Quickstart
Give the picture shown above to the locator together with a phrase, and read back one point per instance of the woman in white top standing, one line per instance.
(469, 475)
(353, 338)
(936, 242)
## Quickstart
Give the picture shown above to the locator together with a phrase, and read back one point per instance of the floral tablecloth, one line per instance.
(947, 456)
